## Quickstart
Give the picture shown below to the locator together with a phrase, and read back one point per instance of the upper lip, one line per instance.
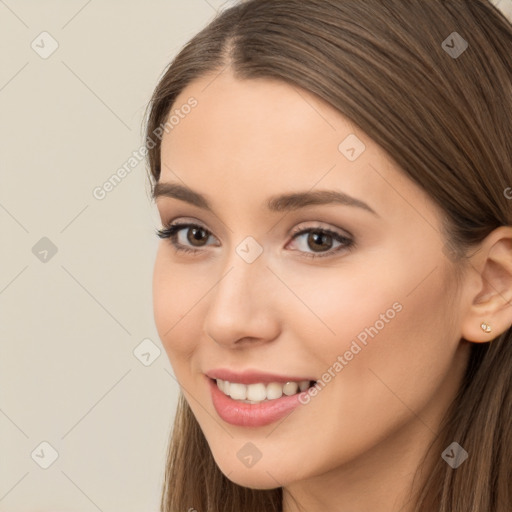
(252, 376)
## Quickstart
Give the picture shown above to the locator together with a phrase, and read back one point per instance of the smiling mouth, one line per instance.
(261, 392)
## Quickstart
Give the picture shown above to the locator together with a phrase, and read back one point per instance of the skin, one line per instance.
(364, 434)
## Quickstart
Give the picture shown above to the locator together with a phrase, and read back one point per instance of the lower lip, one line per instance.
(252, 415)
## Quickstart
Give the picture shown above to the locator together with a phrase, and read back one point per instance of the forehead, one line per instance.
(261, 137)
(257, 118)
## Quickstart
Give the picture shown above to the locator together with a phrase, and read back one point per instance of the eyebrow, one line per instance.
(280, 203)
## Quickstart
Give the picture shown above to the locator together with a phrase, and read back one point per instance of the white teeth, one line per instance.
(274, 390)
(237, 391)
(290, 388)
(256, 393)
(303, 385)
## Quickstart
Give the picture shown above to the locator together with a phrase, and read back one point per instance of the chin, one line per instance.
(260, 480)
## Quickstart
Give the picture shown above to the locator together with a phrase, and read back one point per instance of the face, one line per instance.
(355, 294)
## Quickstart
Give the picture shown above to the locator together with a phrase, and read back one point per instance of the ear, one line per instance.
(490, 287)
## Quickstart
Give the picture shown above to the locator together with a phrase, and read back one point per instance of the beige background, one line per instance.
(71, 321)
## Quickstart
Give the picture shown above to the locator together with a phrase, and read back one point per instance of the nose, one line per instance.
(242, 307)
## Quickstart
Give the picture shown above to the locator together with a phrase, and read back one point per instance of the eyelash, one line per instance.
(171, 232)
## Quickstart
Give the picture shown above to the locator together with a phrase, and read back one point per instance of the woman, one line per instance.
(333, 287)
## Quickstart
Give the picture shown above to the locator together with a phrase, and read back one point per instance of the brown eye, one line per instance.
(196, 234)
(191, 242)
(318, 240)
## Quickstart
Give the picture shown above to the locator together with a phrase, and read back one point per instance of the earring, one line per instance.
(485, 327)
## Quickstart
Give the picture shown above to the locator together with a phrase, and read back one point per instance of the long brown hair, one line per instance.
(446, 121)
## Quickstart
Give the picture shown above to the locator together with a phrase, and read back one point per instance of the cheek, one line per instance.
(406, 354)
(176, 293)
(335, 305)
(384, 323)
